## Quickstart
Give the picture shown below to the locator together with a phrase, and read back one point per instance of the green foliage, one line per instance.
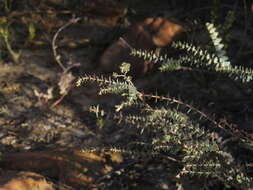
(218, 45)
(170, 128)
(119, 84)
(4, 34)
(215, 12)
(32, 31)
(197, 151)
(223, 24)
(11, 33)
(199, 58)
(6, 5)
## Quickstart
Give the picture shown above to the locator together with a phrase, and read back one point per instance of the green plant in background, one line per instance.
(6, 31)
(215, 13)
(226, 27)
(10, 30)
(4, 34)
(32, 31)
(223, 26)
(6, 5)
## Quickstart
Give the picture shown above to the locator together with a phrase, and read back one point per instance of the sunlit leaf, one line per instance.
(32, 31)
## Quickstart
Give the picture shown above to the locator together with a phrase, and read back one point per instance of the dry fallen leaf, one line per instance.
(73, 167)
(14, 180)
(152, 34)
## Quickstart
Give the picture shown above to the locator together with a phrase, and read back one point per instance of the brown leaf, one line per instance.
(13, 180)
(152, 34)
(72, 167)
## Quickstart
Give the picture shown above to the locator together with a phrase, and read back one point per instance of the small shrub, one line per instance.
(193, 146)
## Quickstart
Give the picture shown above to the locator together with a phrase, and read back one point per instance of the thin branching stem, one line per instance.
(54, 46)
